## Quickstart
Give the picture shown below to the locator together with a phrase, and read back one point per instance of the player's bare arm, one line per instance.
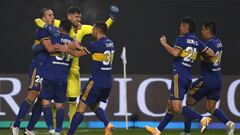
(175, 52)
(210, 53)
(74, 52)
(48, 45)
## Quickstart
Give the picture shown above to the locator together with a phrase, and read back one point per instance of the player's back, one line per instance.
(101, 65)
(57, 65)
(190, 46)
(212, 65)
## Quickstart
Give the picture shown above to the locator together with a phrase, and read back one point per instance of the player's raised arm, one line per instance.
(112, 18)
(50, 28)
(174, 51)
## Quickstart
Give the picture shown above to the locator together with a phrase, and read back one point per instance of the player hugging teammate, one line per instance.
(55, 75)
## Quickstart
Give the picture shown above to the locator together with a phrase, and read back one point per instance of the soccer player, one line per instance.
(209, 82)
(185, 51)
(55, 72)
(100, 82)
(35, 75)
(77, 32)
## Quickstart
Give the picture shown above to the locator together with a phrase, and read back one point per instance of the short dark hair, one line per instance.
(101, 25)
(73, 10)
(42, 12)
(211, 26)
(66, 25)
(191, 23)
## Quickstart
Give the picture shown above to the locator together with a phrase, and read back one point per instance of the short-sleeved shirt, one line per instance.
(190, 46)
(41, 34)
(57, 66)
(102, 52)
(212, 65)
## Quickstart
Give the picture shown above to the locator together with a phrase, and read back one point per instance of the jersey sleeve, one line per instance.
(179, 43)
(109, 22)
(91, 48)
(40, 23)
(202, 46)
(42, 34)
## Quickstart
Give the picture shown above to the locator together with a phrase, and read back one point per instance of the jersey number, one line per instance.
(218, 60)
(109, 57)
(192, 52)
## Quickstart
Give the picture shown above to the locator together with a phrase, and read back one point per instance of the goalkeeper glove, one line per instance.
(113, 12)
(52, 30)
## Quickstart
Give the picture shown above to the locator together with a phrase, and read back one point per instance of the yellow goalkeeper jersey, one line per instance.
(73, 87)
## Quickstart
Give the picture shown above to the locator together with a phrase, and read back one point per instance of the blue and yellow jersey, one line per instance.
(74, 75)
(57, 66)
(212, 65)
(41, 34)
(190, 46)
(102, 52)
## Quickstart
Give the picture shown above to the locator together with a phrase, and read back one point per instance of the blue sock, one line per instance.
(48, 116)
(26, 104)
(219, 114)
(59, 120)
(102, 116)
(76, 120)
(36, 113)
(189, 113)
(187, 125)
(167, 118)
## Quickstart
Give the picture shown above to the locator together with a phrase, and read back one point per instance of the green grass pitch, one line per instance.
(121, 132)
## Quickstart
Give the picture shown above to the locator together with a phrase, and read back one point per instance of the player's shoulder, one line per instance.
(181, 36)
(216, 42)
(41, 31)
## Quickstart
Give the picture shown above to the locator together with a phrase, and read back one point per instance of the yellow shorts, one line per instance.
(73, 86)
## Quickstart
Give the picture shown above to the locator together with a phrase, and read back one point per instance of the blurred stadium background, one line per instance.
(138, 27)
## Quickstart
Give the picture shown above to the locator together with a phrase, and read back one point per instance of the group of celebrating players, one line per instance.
(54, 71)
(54, 74)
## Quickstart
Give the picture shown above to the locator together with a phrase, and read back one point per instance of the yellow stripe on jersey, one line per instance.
(37, 42)
(185, 53)
(99, 57)
(175, 81)
(89, 87)
(45, 38)
(193, 90)
(205, 49)
(33, 78)
(178, 47)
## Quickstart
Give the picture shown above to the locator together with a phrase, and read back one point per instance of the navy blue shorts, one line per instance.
(52, 90)
(200, 89)
(179, 87)
(93, 94)
(35, 76)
